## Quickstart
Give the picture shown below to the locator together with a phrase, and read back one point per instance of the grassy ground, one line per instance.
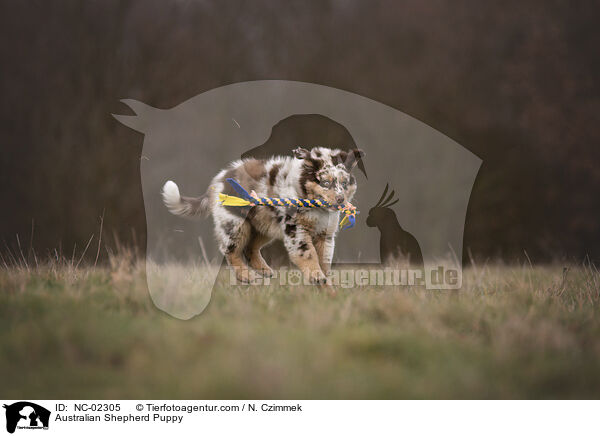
(511, 332)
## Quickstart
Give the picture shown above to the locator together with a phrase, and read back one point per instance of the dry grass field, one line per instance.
(93, 332)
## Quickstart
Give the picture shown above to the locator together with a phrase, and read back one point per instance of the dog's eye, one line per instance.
(325, 183)
(344, 184)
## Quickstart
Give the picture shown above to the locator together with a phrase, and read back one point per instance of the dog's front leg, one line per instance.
(299, 245)
(324, 244)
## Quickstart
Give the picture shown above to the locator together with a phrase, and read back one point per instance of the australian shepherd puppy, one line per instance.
(307, 234)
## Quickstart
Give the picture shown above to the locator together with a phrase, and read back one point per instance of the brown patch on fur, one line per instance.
(273, 173)
(303, 220)
(308, 175)
(339, 158)
(255, 168)
(290, 230)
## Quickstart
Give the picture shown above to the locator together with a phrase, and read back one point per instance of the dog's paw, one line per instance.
(319, 279)
(247, 277)
(265, 272)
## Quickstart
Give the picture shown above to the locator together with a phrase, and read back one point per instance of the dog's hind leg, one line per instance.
(234, 235)
(257, 241)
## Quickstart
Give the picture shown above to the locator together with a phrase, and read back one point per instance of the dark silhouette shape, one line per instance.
(13, 415)
(395, 244)
(33, 419)
(304, 130)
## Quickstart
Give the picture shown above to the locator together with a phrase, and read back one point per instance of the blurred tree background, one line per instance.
(514, 82)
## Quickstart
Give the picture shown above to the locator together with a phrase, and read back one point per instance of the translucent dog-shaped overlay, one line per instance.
(430, 174)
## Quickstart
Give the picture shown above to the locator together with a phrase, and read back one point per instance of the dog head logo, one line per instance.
(431, 177)
(26, 415)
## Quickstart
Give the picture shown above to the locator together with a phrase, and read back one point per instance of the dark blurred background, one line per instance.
(514, 82)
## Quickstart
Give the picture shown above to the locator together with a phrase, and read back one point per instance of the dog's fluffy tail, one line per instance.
(189, 207)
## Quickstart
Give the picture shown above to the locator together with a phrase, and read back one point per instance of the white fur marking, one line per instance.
(172, 199)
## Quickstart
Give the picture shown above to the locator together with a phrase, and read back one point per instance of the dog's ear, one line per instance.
(301, 153)
(348, 158)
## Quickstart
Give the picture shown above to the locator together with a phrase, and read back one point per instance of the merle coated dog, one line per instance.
(308, 234)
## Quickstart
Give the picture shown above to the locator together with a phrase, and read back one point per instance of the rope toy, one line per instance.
(248, 199)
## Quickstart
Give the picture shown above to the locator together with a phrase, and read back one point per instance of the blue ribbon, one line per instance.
(238, 188)
(351, 222)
